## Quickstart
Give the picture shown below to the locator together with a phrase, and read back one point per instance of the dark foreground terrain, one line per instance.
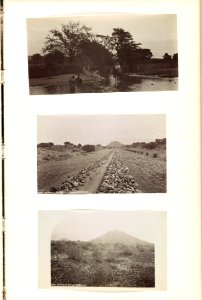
(100, 264)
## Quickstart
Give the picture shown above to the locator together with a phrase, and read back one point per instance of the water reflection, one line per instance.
(126, 84)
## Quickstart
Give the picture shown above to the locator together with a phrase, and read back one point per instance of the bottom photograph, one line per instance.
(108, 249)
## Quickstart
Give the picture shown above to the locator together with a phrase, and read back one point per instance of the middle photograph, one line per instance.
(101, 154)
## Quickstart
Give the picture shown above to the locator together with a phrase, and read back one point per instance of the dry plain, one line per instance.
(114, 260)
(123, 170)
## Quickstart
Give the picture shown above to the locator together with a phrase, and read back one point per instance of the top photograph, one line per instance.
(102, 54)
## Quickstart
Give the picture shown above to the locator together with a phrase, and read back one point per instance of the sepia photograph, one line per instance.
(102, 53)
(101, 154)
(90, 248)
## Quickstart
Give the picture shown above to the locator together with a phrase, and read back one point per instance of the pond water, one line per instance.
(129, 84)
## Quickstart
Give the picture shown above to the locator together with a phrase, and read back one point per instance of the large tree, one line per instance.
(106, 41)
(124, 46)
(37, 58)
(143, 55)
(77, 45)
(167, 57)
(96, 56)
(67, 40)
(175, 57)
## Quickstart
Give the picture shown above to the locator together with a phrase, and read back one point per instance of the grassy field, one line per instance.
(148, 172)
(102, 264)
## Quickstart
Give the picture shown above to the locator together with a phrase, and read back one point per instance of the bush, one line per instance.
(102, 275)
(151, 145)
(110, 258)
(45, 145)
(73, 251)
(52, 69)
(97, 256)
(126, 252)
(146, 277)
(88, 148)
(53, 189)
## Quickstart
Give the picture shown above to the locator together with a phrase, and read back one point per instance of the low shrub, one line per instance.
(53, 189)
(88, 148)
(45, 145)
(52, 69)
(102, 275)
(126, 252)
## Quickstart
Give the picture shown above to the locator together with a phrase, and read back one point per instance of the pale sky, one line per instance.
(85, 225)
(156, 32)
(100, 129)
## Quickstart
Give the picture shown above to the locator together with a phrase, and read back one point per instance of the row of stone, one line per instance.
(74, 183)
(118, 179)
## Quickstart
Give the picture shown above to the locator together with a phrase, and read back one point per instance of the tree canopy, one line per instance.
(37, 58)
(123, 40)
(54, 57)
(88, 148)
(175, 57)
(67, 40)
(128, 52)
(75, 43)
(96, 56)
(167, 57)
(124, 47)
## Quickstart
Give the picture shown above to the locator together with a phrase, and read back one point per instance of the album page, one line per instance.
(102, 150)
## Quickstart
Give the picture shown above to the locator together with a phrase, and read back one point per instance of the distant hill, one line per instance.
(115, 144)
(64, 239)
(118, 237)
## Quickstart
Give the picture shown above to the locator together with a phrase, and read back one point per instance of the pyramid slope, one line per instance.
(115, 144)
(116, 236)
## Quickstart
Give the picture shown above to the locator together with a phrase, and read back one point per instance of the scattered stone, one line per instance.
(72, 184)
(117, 178)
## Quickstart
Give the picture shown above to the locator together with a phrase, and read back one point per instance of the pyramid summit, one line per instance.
(115, 144)
(116, 236)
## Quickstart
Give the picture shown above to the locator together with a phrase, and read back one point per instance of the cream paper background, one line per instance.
(182, 200)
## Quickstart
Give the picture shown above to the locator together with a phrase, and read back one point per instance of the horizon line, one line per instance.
(106, 232)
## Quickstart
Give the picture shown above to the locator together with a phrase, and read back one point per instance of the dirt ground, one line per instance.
(57, 166)
(148, 172)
